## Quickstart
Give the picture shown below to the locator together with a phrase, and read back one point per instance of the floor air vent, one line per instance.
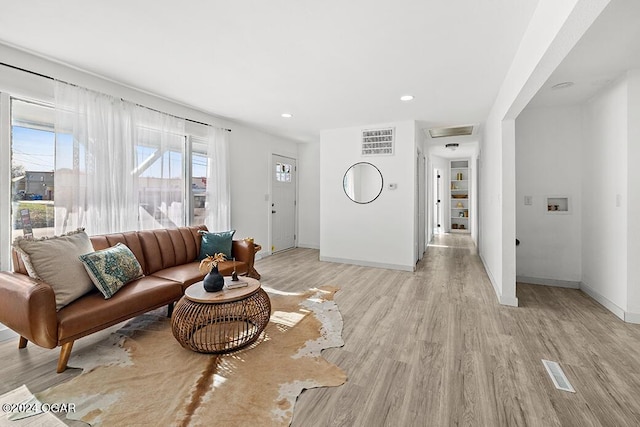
(557, 376)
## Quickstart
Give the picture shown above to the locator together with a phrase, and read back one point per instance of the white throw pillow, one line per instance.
(55, 261)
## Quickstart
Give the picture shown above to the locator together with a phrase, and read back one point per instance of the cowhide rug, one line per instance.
(142, 376)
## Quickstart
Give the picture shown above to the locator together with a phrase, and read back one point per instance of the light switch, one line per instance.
(528, 200)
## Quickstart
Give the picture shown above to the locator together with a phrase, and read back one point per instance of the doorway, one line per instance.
(421, 211)
(437, 208)
(283, 203)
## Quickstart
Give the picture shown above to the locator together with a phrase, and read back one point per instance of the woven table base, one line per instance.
(220, 327)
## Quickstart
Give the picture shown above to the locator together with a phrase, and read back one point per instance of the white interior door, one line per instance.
(283, 203)
(422, 220)
(437, 229)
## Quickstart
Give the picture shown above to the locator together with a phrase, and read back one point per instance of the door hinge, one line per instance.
(295, 237)
(295, 203)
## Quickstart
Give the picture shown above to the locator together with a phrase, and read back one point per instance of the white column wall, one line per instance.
(604, 196)
(380, 233)
(633, 197)
(555, 28)
(309, 195)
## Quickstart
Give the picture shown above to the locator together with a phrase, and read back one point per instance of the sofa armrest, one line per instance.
(244, 251)
(28, 307)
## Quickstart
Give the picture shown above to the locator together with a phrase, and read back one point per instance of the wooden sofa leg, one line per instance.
(170, 309)
(23, 342)
(65, 352)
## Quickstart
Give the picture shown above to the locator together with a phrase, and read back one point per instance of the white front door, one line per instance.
(283, 203)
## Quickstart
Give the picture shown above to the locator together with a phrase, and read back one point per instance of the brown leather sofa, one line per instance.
(169, 261)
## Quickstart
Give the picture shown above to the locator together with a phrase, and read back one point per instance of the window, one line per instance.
(160, 170)
(32, 169)
(162, 167)
(283, 172)
(199, 166)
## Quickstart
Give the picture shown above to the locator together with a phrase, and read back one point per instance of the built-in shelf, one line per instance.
(459, 188)
(557, 205)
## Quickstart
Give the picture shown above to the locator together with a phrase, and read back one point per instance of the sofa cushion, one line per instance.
(218, 242)
(112, 268)
(55, 261)
(186, 274)
(92, 312)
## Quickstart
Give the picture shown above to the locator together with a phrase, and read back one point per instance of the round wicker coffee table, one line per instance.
(220, 322)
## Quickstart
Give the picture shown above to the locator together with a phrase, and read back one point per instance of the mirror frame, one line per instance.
(381, 182)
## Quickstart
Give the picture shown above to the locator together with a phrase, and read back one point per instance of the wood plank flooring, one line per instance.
(434, 348)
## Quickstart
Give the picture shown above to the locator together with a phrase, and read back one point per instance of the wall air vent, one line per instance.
(377, 142)
(454, 131)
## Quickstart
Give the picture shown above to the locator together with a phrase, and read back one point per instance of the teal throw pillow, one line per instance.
(112, 268)
(213, 243)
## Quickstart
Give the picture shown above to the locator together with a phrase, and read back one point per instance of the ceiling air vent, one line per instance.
(377, 142)
(455, 131)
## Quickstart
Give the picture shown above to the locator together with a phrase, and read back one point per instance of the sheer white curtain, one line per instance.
(159, 168)
(218, 202)
(94, 190)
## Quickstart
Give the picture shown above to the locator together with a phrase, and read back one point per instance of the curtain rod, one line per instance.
(138, 105)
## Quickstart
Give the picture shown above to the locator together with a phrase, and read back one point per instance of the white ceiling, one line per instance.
(329, 63)
(610, 47)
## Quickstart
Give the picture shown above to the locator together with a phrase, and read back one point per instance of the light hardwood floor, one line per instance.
(434, 348)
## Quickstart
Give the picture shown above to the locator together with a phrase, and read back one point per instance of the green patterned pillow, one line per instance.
(111, 268)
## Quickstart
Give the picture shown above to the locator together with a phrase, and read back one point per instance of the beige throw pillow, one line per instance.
(55, 261)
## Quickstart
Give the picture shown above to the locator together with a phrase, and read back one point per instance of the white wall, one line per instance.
(605, 201)
(633, 196)
(555, 28)
(380, 233)
(309, 195)
(549, 147)
(250, 158)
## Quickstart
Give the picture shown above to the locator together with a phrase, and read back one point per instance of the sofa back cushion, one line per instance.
(154, 249)
(130, 239)
(165, 248)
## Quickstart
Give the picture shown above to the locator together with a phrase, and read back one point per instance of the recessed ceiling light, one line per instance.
(287, 115)
(406, 98)
(562, 85)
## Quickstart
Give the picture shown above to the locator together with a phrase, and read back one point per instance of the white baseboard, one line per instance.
(308, 245)
(513, 302)
(548, 282)
(368, 263)
(632, 317)
(608, 304)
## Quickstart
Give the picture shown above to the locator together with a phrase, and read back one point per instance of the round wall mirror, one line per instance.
(362, 182)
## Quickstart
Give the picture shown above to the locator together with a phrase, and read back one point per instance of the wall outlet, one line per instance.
(528, 200)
